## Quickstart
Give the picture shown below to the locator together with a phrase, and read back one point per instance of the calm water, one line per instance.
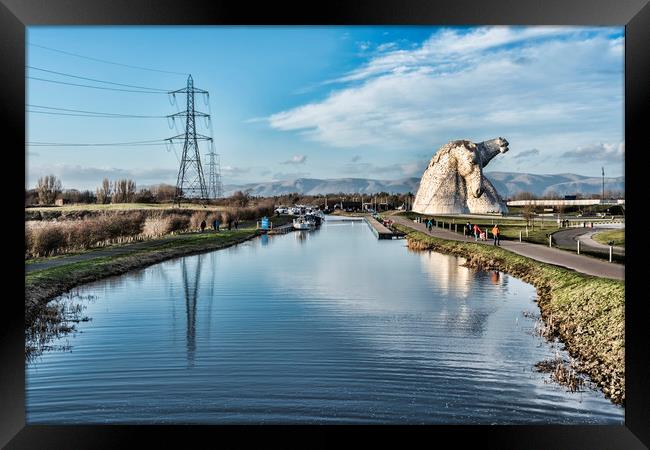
(327, 326)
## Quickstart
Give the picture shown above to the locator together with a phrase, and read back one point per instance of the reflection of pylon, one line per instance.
(191, 283)
(215, 188)
(190, 182)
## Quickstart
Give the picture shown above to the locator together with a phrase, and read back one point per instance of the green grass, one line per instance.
(618, 236)
(586, 312)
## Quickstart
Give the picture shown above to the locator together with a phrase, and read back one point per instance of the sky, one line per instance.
(324, 102)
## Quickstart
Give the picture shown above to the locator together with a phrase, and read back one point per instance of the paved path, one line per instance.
(588, 240)
(115, 250)
(579, 263)
(567, 238)
(109, 251)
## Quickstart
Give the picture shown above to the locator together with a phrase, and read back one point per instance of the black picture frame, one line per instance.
(15, 15)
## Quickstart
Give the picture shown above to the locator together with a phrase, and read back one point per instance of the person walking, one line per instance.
(236, 224)
(477, 232)
(202, 225)
(496, 233)
(215, 224)
(468, 229)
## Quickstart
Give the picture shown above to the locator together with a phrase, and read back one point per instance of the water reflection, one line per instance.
(446, 272)
(191, 281)
(56, 320)
(450, 274)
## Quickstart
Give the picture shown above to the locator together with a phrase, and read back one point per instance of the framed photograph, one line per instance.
(373, 216)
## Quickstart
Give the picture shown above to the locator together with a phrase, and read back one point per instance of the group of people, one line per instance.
(216, 224)
(482, 234)
(473, 230)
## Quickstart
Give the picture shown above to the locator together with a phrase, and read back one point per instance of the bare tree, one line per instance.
(164, 192)
(104, 192)
(48, 187)
(240, 198)
(124, 191)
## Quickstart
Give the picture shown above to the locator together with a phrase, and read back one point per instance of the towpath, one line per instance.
(579, 263)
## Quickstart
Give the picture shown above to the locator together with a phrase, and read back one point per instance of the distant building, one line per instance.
(59, 202)
(566, 202)
(348, 206)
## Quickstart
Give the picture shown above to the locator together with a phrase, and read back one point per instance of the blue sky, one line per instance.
(330, 102)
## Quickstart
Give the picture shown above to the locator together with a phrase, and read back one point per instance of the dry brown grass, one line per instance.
(47, 238)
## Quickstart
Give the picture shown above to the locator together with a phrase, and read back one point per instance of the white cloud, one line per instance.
(232, 171)
(543, 84)
(601, 151)
(527, 154)
(386, 46)
(363, 45)
(296, 159)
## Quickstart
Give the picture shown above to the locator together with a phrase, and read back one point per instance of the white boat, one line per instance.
(300, 223)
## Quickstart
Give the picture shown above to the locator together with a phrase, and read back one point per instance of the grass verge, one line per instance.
(617, 236)
(586, 313)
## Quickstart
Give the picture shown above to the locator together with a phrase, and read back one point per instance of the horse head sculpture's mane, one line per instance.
(447, 148)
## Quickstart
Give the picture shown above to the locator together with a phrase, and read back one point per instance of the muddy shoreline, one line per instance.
(573, 307)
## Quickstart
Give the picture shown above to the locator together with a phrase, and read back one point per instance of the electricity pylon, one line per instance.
(190, 182)
(215, 188)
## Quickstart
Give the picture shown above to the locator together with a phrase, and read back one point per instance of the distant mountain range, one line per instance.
(506, 183)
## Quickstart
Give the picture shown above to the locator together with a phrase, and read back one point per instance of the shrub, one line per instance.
(47, 238)
(212, 217)
(28, 240)
(226, 216)
(46, 241)
(155, 226)
(197, 218)
(177, 222)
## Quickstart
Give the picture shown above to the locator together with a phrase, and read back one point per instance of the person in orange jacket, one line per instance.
(496, 232)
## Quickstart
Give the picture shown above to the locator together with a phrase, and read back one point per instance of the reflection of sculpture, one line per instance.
(453, 183)
(447, 273)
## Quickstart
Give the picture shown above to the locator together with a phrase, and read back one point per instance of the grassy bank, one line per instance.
(43, 285)
(617, 236)
(587, 313)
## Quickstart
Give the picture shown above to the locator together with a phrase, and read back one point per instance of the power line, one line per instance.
(92, 115)
(102, 144)
(94, 87)
(105, 61)
(95, 79)
(84, 113)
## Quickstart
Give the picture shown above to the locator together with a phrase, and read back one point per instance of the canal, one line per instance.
(327, 326)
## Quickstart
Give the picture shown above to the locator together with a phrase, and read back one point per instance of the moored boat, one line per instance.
(302, 223)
